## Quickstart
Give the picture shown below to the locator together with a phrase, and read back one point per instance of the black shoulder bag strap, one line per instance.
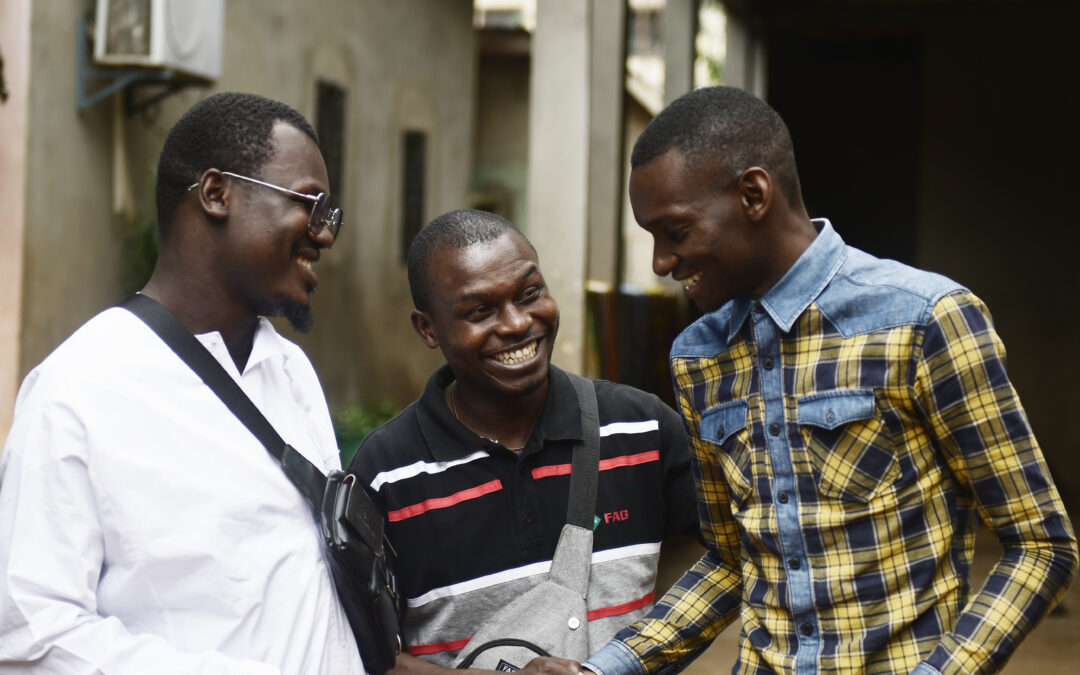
(305, 475)
(352, 527)
(585, 463)
(536, 622)
(572, 562)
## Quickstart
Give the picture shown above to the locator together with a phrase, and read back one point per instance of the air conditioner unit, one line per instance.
(180, 35)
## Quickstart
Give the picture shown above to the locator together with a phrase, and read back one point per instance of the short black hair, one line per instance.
(723, 130)
(450, 231)
(228, 131)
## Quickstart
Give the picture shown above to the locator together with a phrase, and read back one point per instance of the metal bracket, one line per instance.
(117, 79)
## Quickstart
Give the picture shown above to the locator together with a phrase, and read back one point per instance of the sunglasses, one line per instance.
(322, 216)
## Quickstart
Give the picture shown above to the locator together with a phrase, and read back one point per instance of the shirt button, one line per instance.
(528, 519)
(768, 364)
(783, 497)
(758, 309)
(793, 563)
(720, 432)
(774, 429)
(806, 629)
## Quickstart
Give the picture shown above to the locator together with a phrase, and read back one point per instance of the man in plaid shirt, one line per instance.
(850, 419)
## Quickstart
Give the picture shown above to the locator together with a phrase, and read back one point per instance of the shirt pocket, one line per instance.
(725, 426)
(849, 444)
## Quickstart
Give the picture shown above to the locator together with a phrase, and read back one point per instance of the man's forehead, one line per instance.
(295, 156)
(506, 258)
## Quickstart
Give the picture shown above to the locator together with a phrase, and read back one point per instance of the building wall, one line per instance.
(15, 19)
(71, 239)
(501, 173)
(637, 243)
(409, 64)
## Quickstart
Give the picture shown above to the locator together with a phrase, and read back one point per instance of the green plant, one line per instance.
(140, 247)
(139, 242)
(354, 423)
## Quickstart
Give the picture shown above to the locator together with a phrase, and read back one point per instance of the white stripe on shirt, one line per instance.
(417, 468)
(629, 428)
(525, 571)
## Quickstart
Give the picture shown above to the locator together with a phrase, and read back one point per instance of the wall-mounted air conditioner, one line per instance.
(180, 35)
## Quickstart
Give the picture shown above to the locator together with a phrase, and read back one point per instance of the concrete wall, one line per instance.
(637, 243)
(15, 18)
(501, 173)
(72, 250)
(558, 164)
(407, 64)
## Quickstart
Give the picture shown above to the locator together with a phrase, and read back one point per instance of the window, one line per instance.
(645, 32)
(413, 165)
(330, 125)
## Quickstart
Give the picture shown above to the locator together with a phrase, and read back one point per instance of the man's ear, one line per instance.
(755, 188)
(215, 193)
(421, 323)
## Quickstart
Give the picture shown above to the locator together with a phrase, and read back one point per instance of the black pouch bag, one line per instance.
(362, 566)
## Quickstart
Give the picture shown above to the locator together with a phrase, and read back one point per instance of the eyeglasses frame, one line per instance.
(332, 220)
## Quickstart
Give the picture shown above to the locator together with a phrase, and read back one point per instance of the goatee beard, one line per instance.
(299, 316)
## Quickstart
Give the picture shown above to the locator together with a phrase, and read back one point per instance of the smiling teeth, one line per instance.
(304, 262)
(692, 281)
(512, 356)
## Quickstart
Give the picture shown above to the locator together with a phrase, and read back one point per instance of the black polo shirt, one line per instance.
(460, 507)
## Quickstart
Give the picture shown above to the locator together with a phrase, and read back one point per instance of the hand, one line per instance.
(550, 665)
(410, 665)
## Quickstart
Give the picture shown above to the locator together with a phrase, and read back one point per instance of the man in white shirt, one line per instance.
(143, 528)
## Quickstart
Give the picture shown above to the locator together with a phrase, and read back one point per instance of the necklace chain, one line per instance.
(453, 408)
(453, 401)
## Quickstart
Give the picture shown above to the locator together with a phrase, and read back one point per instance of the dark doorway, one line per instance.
(854, 109)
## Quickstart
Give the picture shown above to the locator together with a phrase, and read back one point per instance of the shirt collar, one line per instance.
(800, 285)
(267, 344)
(449, 439)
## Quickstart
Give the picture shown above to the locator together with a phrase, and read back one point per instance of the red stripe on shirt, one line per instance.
(630, 460)
(626, 608)
(436, 647)
(444, 502)
(605, 464)
(550, 470)
(593, 615)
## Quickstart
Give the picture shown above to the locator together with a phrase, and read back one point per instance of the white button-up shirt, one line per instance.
(144, 529)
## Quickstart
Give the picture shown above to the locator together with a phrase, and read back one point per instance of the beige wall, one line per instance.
(501, 173)
(404, 64)
(637, 243)
(15, 49)
(558, 164)
(71, 249)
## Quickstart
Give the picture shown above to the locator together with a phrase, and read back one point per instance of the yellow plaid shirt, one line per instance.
(848, 428)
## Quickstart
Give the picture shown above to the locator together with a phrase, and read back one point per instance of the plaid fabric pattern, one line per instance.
(839, 476)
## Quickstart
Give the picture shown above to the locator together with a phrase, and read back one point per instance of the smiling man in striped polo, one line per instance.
(473, 477)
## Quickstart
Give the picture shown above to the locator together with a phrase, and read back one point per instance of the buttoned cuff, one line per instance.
(614, 658)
